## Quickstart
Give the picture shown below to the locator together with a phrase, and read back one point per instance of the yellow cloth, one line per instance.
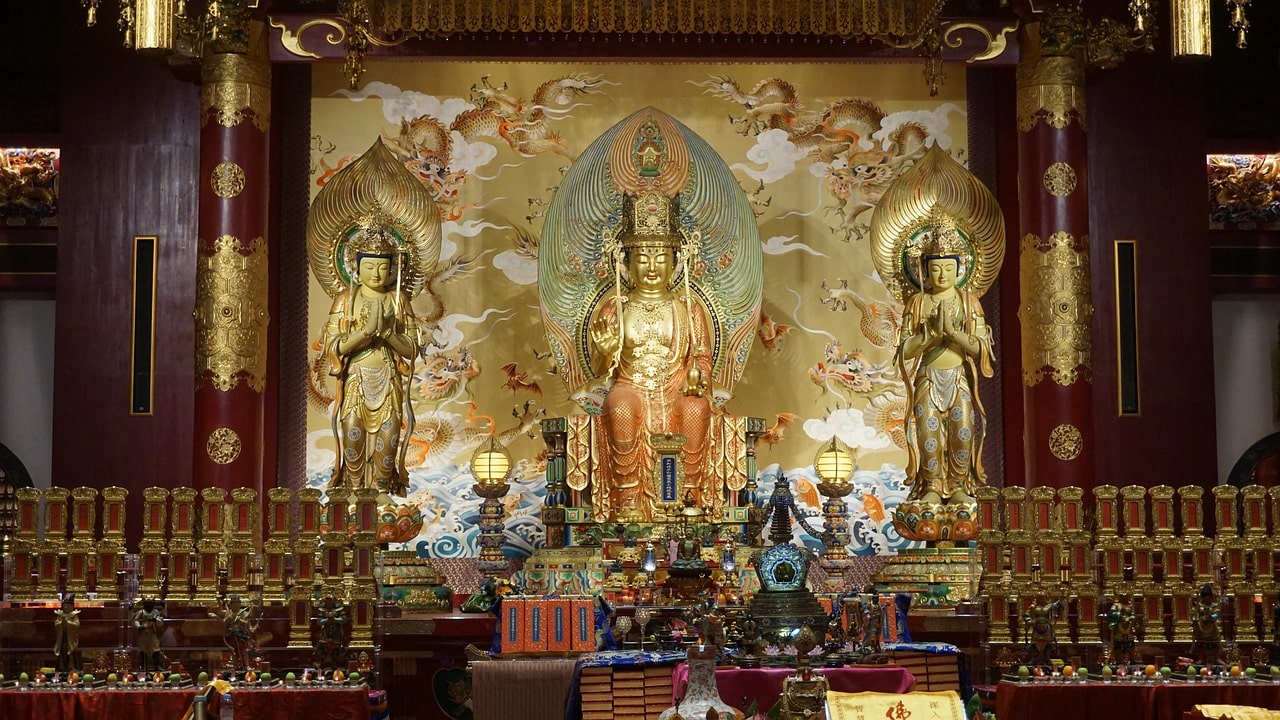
(944, 705)
(1237, 712)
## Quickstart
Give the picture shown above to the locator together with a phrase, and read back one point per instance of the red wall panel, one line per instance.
(130, 152)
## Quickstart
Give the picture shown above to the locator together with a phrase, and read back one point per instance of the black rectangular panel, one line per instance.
(143, 341)
(1127, 326)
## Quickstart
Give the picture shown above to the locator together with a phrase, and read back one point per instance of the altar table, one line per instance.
(1133, 701)
(764, 685)
(335, 704)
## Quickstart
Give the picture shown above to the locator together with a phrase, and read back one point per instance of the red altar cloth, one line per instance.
(337, 704)
(764, 685)
(1167, 701)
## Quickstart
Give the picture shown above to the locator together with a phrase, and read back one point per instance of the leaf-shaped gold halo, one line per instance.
(936, 185)
(376, 184)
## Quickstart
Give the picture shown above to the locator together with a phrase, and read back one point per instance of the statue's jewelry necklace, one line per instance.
(653, 325)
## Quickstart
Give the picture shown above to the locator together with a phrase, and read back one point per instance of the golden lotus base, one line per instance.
(933, 576)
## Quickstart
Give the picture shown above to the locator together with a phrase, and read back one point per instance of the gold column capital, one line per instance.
(235, 87)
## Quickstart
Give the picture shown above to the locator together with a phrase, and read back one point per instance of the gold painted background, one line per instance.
(814, 145)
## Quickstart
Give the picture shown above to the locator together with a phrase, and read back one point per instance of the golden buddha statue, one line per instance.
(652, 340)
(938, 240)
(650, 276)
(370, 342)
(373, 238)
(945, 343)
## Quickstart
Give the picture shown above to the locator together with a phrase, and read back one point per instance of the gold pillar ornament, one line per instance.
(1190, 500)
(110, 548)
(182, 551)
(1162, 509)
(211, 546)
(1225, 498)
(937, 239)
(276, 547)
(80, 548)
(1190, 29)
(52, 550)
(1134, 507)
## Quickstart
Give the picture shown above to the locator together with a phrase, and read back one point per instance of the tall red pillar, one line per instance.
(1056, 311)
(231, 276)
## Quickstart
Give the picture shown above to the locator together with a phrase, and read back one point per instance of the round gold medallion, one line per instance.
(1066, 442)
(1059, 179)
(227, 180)
(223, 446)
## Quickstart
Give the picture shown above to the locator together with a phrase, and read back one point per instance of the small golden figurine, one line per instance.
(66, 629)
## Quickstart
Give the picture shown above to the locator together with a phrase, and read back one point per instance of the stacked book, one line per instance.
(596, 686)
(934, 671)
(628, 694)
(657, 689)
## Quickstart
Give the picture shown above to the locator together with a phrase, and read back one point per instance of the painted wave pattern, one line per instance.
(451, 510)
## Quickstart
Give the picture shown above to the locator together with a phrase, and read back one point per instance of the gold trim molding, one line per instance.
(231, 314)
(900, 19)
(1050, 88)
(232, 84)
(1056, 311)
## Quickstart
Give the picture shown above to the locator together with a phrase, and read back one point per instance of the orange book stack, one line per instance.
(657, 689)
(628, 694)
(596, 687)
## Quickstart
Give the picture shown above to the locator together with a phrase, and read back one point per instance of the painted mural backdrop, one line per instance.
(814, 146)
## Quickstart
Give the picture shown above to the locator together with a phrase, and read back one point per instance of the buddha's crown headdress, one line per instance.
(946, 239)
(373, 234)
(650, 220)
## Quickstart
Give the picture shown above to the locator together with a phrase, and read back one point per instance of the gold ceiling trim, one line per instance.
(844, 18)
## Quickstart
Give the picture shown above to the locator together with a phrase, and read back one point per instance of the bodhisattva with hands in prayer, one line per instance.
(370, 341)
(945, 343)
(654, 343)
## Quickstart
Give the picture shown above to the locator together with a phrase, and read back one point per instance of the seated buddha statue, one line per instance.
(650, 272)
(651, 339)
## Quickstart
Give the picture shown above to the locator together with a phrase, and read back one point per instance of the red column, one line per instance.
(231, 276)
(1056, 311)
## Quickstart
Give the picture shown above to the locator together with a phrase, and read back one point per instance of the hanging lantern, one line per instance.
(1191, 29)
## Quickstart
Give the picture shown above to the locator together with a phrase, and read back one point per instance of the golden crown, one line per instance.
(946, 238)
(373, 234)
(650, 220)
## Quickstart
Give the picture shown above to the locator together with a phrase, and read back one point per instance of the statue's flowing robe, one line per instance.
(647, 396)
(945, 423)
(370, 401)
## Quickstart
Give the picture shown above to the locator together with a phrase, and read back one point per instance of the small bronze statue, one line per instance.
(1206, 630)
(66, 634)
(1038, 630)
(239, 624)
(331, 644)
(872, 626)
(1123, 623)
(147, 619)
